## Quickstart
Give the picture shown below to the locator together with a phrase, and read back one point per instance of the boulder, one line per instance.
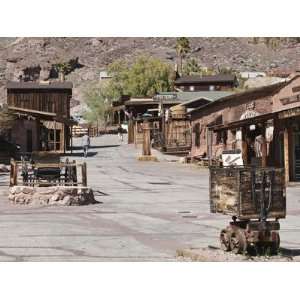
(4, 168)
(50, 195)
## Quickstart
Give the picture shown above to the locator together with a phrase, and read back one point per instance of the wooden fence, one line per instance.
(48, 174)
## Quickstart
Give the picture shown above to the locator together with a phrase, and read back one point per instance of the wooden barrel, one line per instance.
(178, 111)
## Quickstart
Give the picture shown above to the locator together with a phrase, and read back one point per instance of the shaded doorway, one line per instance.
(29, 140)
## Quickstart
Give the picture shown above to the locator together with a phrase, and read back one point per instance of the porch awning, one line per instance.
(32, 112)
(243, 123)
(43, 115)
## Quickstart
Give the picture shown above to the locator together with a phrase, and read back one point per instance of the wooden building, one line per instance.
(220, 82)
(172, 136)
(135, 108)
(171, 125)
(263, 123)
(43, 110)
(126, 107)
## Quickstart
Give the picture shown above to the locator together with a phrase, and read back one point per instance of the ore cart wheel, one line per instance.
(225, 240)
(238, 243)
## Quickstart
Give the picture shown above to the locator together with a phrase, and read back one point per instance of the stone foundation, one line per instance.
(56, 195)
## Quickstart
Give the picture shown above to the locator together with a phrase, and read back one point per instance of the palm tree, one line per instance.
(191, 67)
(182, 48)
(62, 69)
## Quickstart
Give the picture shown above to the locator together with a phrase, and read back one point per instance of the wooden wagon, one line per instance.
(255, 198)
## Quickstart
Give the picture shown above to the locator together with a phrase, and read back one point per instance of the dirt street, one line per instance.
(146, 211)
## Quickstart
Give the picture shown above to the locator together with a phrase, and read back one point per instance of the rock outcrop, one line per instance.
(58, 195)
(90, 55)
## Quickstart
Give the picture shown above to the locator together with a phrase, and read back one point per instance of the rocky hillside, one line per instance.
(89, 55)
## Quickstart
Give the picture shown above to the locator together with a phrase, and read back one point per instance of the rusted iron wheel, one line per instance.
(238, 243)
(225, 240)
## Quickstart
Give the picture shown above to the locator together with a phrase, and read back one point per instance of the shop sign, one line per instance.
(161, 97)
(293, 112)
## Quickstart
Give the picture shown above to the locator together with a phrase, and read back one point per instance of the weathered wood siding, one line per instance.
(178, 133)
(226, 112)
(53, 101)
(231, 192)
(288, 97)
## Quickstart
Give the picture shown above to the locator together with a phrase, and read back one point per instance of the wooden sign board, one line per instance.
(289, 100)
(293, 112)
(161, 97)
(232, 158)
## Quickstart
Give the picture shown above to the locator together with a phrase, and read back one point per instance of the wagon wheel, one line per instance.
(238, 243)
(225, 240)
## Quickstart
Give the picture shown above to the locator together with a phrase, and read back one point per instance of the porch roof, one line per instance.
(244, 122)
(47, 116)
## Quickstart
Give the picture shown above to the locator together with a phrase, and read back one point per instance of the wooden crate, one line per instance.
(237, 192)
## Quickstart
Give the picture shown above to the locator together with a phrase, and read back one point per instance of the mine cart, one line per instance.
(255, 199)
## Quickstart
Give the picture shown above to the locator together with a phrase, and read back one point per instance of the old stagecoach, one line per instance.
(255, 199)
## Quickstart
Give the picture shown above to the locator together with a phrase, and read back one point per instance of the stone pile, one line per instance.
(4, 168)
(57, 195)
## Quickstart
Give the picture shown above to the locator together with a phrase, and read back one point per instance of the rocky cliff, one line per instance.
(89, 55)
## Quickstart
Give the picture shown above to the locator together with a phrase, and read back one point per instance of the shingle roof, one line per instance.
(36, 85)
(206, 79)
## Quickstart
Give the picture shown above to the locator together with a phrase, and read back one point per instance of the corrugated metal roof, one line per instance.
(206, 79)
(36, 85)
(209, 95)
(193, 96)
(269, 89)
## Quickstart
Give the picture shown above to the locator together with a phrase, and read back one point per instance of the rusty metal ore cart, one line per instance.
(255, 198)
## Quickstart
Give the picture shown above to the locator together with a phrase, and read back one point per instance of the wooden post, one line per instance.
(146, 138)
(71, 139)
(130, 132)
(97, 127)
(84, 175)
(38, 136)
(244, 146)
(74, 173)
(15, 174)
(264, 148)
(135, 133)
(275, 144)
(119, 117)
(62, 138)
(54, 135)
(209, 138)
(286, 154)
(163, 128)
(12, 172)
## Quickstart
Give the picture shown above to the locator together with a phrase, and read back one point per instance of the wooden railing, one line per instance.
(35, 174)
